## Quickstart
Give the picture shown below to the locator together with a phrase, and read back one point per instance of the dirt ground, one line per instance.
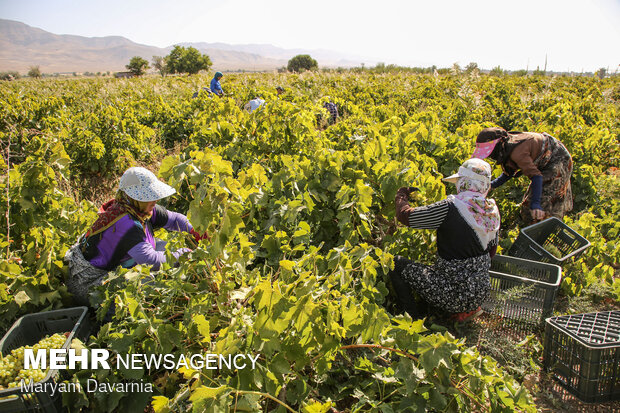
(518, 348)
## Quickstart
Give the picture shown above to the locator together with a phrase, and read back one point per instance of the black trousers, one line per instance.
(406, 299)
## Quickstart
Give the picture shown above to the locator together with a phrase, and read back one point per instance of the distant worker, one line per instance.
(215, 84)
(540, 157)
(254, 104)
(279, 90)
(333, 112)
(205, 90)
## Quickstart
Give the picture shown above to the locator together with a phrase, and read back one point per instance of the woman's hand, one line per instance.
(197, 236)
(537, 214)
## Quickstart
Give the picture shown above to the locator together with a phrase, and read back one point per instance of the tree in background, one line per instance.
(34, 71)
(137, 65)
(302, 62)
(472, 68)
(186, 60)
(497, 71)
(159, 64)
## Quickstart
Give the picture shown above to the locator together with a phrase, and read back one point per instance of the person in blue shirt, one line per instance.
(215, 84)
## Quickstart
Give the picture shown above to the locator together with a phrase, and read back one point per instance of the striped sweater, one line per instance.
(456, 240)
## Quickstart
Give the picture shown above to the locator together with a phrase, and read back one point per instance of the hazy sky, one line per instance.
(575, 35)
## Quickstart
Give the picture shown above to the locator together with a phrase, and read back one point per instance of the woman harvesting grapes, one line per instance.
(467, 227)
(123, 233)
(540, 157)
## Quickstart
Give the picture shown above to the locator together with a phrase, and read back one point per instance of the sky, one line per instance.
(572, 35)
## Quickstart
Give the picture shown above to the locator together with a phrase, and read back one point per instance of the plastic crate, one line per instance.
(522, 290)
(537, 242)
(583, 353)
(29, 330)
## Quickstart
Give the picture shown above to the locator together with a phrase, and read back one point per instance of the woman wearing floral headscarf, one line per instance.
(467, 227)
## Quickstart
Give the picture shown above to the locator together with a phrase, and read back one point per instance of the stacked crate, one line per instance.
(582, 351)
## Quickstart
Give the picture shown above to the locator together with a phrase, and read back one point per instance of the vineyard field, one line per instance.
(300, 218)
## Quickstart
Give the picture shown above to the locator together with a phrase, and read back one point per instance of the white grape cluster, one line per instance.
(12, 370)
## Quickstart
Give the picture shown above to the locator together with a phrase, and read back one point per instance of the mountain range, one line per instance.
(23, 46)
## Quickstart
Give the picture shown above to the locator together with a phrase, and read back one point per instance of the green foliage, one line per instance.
(471, 68)
(137, 65)
(301, 225)
(302, 62)
(42, 224)
(313, 314)
(496, 71)
(186, 60)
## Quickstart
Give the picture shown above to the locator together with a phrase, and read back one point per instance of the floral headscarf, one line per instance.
(473, 182)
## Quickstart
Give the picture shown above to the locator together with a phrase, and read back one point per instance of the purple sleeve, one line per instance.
(144, 253)
(177, 222)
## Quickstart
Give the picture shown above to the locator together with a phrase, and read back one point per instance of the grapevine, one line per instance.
(300, 218)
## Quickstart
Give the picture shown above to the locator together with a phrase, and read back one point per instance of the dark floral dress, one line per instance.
(556, 165)
(454, 286)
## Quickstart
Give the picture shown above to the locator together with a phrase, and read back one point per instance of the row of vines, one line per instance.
(300, 216)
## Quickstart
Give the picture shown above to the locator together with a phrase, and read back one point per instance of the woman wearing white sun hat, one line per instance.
(123, 233)
(467, 227)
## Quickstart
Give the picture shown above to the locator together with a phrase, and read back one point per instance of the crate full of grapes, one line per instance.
(20, 388)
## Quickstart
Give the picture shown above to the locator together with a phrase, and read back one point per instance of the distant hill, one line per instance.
(23, 46)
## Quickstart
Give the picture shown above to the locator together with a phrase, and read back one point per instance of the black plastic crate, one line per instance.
(583, 353)
(29, 330)
(522, 290)
(540, 241)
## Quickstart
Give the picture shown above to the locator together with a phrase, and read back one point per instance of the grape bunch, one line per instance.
(12, 370)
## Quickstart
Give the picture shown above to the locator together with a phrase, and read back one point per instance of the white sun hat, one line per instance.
(142, 185)
(473, 168)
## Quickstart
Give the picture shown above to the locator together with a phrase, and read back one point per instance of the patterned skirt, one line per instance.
(82, 275)
(556, 166)
(454, 286)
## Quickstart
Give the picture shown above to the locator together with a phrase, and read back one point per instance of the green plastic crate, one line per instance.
(522, 290)
(538, 242)
(29, 330)
(582, 351)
